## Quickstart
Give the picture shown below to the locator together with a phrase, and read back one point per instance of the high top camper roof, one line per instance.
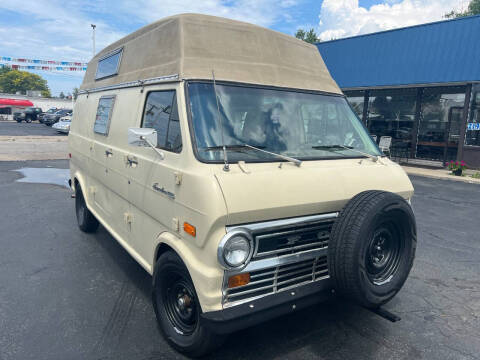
(191, 45)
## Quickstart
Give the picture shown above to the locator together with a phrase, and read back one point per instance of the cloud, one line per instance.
(342, 18)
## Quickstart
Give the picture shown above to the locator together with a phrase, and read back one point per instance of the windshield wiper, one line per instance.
(246, 146)
(344, 147)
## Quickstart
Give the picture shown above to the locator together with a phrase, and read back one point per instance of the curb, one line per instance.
(434, 174)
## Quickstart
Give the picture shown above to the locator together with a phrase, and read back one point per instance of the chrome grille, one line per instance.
(271, 280)
(292, 240)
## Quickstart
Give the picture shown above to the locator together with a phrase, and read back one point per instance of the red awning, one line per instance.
(15, 102)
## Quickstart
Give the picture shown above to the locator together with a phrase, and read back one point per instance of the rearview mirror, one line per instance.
(142, 137)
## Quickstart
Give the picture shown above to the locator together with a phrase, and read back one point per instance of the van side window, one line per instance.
(161, 114)
(104, 114)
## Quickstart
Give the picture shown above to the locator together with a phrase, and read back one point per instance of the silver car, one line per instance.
(63, 125)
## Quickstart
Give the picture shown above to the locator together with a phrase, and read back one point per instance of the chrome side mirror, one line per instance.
(144, 137)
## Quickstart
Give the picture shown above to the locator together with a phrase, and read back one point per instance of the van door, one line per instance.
(152, 191)
(112, 193)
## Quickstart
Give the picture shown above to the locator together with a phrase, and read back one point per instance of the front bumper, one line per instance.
(266, 308)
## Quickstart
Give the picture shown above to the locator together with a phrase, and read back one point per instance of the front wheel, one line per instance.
(178, 310)
(372, 247)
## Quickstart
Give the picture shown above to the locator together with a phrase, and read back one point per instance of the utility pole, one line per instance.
(93, 37)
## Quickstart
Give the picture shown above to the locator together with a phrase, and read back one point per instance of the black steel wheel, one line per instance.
(372, 247)
(178, 309)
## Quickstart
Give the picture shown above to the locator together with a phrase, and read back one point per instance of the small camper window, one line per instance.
(108, 65)
(104, 114)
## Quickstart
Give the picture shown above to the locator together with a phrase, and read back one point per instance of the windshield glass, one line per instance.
(301, 125)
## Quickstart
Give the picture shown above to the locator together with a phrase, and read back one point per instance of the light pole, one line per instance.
(93, 37)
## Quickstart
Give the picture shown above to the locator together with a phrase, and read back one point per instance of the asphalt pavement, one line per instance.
(12, 128)
(68, 295)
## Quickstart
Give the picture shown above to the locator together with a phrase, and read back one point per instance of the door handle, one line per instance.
(108, 152)
(132, 161)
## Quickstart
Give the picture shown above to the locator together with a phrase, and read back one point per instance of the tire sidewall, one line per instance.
(388, 212)
(170, 263)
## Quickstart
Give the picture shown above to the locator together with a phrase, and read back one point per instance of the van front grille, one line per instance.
(283, 277)
(292, 240)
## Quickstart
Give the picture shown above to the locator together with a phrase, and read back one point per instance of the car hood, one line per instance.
(265, 191)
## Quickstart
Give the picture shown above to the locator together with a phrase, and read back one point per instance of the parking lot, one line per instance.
(68, 295)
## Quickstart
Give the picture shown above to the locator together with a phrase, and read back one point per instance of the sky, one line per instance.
(60, 30)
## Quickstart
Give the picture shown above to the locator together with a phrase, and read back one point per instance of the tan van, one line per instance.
(224, 158)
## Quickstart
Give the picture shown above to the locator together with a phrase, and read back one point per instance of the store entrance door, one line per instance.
(452, 136)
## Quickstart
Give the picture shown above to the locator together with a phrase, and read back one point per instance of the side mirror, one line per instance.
(142, 137)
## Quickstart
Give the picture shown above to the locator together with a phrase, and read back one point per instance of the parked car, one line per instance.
(51, 119)
(28, 115)
(63, 125)
(49, 111)
(206, 170)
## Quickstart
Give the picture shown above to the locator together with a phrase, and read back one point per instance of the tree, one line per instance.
(310, 36)
(473, 9)
(12, 81)
(62, 95)
(75, 93)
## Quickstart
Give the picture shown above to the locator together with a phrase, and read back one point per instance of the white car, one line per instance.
(63, 125)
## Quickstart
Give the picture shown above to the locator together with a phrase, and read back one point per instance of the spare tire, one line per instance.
(372, 247)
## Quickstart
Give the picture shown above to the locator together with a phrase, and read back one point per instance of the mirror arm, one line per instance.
(160, 153)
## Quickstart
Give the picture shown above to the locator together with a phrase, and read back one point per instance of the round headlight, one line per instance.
(235, 249)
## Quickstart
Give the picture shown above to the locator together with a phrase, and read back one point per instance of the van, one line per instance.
(225, 159)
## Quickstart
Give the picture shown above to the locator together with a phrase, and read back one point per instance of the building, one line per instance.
(420, 85)
(10, 103)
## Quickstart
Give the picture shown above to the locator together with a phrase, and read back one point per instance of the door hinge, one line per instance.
(178, 177)
(128, 218)
(175, 225)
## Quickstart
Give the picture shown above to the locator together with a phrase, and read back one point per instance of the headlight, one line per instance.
(235, 249)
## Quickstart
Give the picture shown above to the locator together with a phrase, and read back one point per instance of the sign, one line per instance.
(473, 126)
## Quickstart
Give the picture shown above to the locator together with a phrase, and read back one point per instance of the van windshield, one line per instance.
(302, 125)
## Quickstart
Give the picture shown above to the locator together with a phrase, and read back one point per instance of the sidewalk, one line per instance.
(441, 174)
(15, 148)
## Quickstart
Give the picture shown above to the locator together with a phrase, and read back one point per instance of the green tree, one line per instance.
(4, 70)
(310, 36)
(473, 9)
(62, 95)
(75, 93)
(12, 81)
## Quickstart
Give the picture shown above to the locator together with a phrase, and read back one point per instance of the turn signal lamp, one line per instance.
(189, 229)
(238, 280)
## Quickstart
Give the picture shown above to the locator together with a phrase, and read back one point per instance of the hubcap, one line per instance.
(383, 253)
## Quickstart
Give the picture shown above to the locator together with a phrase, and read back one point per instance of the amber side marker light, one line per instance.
(189, 229)
(238, 280)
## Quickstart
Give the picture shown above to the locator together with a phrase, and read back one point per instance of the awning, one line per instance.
(15, 102)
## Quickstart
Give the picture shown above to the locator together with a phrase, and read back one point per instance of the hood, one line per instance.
(265, 191)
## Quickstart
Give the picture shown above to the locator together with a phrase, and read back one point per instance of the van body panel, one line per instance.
(270, 191)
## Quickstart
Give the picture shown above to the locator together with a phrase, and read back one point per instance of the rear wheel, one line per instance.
(178, 310)
(372, 247)
(86, 220)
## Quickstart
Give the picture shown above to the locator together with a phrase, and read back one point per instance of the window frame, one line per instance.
(106, 56)
(193, 140)
(110, 113)
(175, 97)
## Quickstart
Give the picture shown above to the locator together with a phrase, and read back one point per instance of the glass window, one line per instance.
(108, 65)
(161, 114)
(356, 100)
(473, 125)
(104, 114)
(441, 116)
(293, 123)
(392, 113)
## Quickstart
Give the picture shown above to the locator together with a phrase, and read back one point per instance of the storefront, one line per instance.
(419, 85)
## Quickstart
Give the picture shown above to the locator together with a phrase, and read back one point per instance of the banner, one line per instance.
(43, 67)
(45, 62)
